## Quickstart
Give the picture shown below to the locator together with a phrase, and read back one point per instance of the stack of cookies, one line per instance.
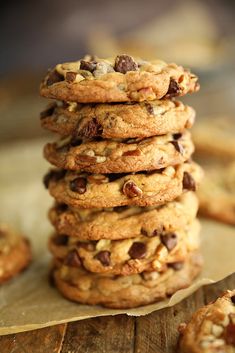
(125, 208)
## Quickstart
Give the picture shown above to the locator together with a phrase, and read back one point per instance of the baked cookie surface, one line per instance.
(124, 156)
(212, 328)
(124, 222)
(128, 120)
(15, 253)
(125, 291)
(84, 190)
(120, 79)
(217, 192)
(128, 256)
(214, 136)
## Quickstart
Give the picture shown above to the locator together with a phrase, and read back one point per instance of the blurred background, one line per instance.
(35, 35)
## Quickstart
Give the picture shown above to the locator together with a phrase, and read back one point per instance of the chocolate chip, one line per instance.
(61, 208)
(137, 250)
(88, 65)
(125, 63)
(188, 182)
(104, 257)
(54, 77)
(177, 266)
(53, 175)
(173, 89)
(130, 189)
(178, 146)
(91, 129)
(48, 111)
(177, 136)
(70, 76)
(132, 153)
(169, 240)
(78, 185)
(72, 259)
(149, 108)
(229, 334)
(233, 299)
(61, 240)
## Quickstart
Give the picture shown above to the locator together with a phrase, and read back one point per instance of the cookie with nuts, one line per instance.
(212, 328)
(129, 256)
(131, 291)
(217, 192)
(120, 79)
(122, 156)
(83, 190)
(124, 222)
(15, 253)
(117, 120)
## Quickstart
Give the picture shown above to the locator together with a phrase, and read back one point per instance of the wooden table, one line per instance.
(153, 333)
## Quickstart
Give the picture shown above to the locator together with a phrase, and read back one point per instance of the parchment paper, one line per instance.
(28, 302)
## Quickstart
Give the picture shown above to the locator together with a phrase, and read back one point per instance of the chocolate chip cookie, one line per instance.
(124, 222)
(120, 79)
(128, 256)
(130, 291)
(122, 156)
(217, 192)
(214, 136)
(128, 120)
(84, 190)
(212, 328)
(15, 253)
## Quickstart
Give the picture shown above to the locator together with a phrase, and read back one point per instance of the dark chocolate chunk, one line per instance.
(72, 259)
(70, 76)
(88, 65)
(188, 182)
(169, 240)
(104, 257)
(78, 185)
(54, 77)
(125, 63)
(91, 129)
(137, 250)
(173, 89)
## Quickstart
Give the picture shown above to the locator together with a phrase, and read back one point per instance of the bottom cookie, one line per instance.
(212, 328)
(15, 253)
(125, 291)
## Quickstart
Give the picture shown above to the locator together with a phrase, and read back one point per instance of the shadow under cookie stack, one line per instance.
(126, 232)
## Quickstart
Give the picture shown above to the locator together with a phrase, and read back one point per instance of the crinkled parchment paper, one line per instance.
(28, 302)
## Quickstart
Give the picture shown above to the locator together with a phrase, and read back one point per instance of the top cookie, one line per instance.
(120, 79)
(212, 328)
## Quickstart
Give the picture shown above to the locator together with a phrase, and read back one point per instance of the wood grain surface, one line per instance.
(153, 333)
